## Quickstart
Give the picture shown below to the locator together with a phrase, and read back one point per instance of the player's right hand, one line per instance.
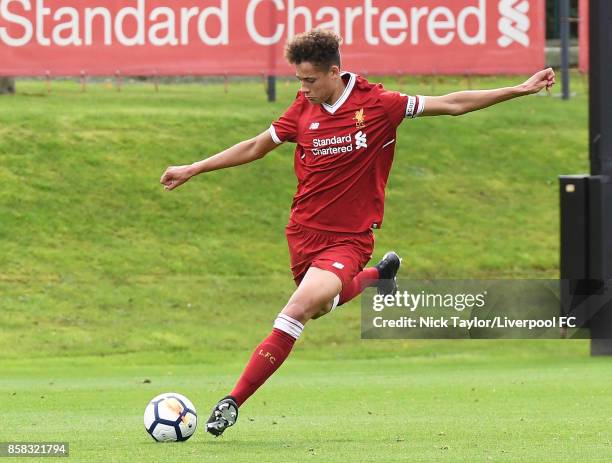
(175, 176)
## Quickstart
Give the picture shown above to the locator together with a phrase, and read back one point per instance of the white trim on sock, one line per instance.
(289, 325)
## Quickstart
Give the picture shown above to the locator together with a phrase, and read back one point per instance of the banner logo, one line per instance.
(514, 22)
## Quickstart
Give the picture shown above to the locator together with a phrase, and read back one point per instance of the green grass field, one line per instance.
(108, 281)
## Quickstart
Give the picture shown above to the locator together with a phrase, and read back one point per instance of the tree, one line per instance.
(7, 85)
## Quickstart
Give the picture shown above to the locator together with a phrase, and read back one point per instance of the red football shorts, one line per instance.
(344, 254)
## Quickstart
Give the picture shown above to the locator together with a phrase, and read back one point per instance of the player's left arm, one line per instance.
(455, 104)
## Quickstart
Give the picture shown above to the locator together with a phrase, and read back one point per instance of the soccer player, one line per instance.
(344, 128)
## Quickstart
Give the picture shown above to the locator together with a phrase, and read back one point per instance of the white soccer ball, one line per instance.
(170, 417)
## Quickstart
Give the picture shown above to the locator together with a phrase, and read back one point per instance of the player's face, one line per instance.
(317, 85)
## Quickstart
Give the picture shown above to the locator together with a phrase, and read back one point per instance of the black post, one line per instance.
(565, 45)
(600, 83)
(7, 85)
(272, 88)
(586, 201)
(600, 153)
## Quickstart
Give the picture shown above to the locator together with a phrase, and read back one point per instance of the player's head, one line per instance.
(316, 57)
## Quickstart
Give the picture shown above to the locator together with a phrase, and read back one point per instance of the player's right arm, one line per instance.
(241, 153)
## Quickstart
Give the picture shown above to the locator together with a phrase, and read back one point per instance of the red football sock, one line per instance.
(367, 277)
(266, 359)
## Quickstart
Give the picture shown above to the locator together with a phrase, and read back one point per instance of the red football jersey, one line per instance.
(344, 153)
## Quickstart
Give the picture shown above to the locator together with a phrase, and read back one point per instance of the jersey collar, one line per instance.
(345, 94)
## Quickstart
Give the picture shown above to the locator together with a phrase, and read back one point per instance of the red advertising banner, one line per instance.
(583, 36)
(145, 37)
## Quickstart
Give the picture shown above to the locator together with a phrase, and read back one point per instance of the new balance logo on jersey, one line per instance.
(314, 126)
(361, 140)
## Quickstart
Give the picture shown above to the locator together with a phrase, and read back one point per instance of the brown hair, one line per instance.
(319, 47)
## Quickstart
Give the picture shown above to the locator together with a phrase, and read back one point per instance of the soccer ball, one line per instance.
(170, 417)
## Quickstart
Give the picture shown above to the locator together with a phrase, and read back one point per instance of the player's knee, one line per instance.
(305, 310)
(327, 308)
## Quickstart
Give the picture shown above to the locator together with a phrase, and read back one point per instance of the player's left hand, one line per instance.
(540, 80)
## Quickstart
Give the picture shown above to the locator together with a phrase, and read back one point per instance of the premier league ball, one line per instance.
(170, 417)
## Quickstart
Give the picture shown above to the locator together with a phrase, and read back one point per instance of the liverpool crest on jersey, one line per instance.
(359, 119)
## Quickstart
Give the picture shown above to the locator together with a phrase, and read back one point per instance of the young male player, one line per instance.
(345, 133)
